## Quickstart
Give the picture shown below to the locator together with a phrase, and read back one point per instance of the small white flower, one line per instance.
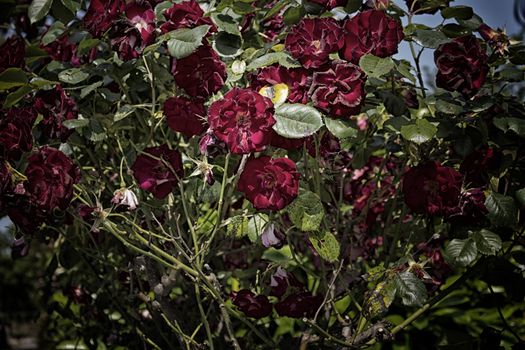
(125, 197)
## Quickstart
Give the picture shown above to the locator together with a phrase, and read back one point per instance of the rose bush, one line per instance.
(261, 175)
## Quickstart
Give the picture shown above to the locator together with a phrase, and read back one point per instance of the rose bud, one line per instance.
(13, 53)
(462, 65)
(281, 280)
(156, 170)
(51, 176)
(55, 106)
(498, 40)
(432, 189)
(125, 197)
(242, 119)
(16, 135)
(185, 116)
(19, 248)
(371, 32)
(425, 6)
(271, 237)
(339, 90)
(201, 74)
(312, 40)
(299, 305)
(101, 15)
(297, 80)
(186, 14)
(269, 183)
(255, 306)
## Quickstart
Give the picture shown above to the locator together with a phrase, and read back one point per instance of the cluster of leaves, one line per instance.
(317, 214)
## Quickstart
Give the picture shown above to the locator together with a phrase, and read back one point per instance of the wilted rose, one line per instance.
(312, 40)
(56, 107)
(252, 305)
(371, 32)
(243, 119)
(185, 116)
(269, 183)
(339, 90)
(281, 280)
(157, 169)
(201, 74)
(142, 17)
(13, 53)
(50, 179)
(432, 189)
(125, 197)
(462, 65)
(16, 137)
(497, 39)
(272, 237)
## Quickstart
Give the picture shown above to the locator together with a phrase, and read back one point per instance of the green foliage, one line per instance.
(183, 42)
(326, 245)
(297, 120)
(306, 212)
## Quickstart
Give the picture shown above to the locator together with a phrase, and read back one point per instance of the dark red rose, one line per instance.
(269, 183)
(185, 116)
(156, 176)
(426, 6)
(299, 305)
(432, 189)
(272, 27)
(16, 137)
(339, 90)
(13, 53)
(63, 50)
(462, 65)
(329, 147)
(126, 40)
(243, 119)
(55, 106)
(298, 81)
(142, 18)
(255, 306)
(330, 4)
(50, 179)
(101, 15)
(187, 14)
(281, 280)
(6, 183)
(210, 146)
(286, 143)
(371, 32)
(471, 208)
(201, 74)
(313, 39)
(478, 166)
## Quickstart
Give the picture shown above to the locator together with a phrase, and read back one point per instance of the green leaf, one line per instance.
(420, 132)
(123, 112)
(453, 30)
(353, 5)
(227, 45)
(410, 288)
(90, 88)
(53, 33)
(340, 128)
(12, 77)
(375, 66)
(38, 9)
(17, 95)
(448, 107)
(293, 15)
(306, 211)
(282, 58)
(255, 226)
(502, 210)
(87, 44)
(514, 124)
(380, 298)
(403, 67)
(461, 252)
(183, 42)
(457, 12)
(226, 23)
(73, 76)
(520, 196)
(76, 123)
(296, 121)
(72, 5)
(326, 245)
(487, 242)
(430, 38)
